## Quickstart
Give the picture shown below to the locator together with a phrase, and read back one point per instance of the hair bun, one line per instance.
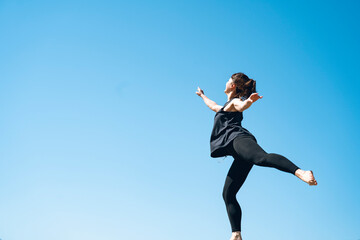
(245, 86)
(249, 82)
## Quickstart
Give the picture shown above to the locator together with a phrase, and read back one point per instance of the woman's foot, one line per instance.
(236, 236)
(306, 176)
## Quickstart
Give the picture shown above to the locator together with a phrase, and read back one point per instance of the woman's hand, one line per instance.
(199, 92)
(254, 97)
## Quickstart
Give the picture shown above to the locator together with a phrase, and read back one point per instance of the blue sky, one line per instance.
(103, 136)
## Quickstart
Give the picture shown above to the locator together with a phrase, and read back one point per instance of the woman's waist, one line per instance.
(231, 131)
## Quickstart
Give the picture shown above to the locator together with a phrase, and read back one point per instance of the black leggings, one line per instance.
(246, 153)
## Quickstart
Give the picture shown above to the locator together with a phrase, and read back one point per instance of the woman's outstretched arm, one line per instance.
(210, 103)
(243, 105)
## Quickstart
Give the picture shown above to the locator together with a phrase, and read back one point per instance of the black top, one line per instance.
(227, 126)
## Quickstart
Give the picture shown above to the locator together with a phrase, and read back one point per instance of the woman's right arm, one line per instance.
(211, 104)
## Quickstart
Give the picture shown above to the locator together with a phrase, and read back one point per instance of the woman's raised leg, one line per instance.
(249, 150)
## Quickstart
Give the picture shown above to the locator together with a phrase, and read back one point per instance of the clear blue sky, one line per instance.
(103, 136)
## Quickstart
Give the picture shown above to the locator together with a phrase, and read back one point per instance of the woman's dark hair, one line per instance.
(245, 86)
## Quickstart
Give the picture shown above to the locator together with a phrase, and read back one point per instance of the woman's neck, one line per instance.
(231, 95)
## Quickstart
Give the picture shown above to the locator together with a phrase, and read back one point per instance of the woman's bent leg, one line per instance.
(249, 150)
(235, 178)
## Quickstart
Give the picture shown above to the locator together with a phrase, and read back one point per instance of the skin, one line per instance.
(239, 105)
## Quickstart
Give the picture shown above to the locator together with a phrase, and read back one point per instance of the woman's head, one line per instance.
(241, 84)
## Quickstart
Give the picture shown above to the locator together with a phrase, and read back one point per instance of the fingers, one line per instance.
(257, 94)
(199, 91)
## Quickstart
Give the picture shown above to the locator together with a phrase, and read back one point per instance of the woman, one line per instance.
(228, 137)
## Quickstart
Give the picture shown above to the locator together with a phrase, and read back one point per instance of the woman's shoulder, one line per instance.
(235, 99)
(240, 99)
(230, 106)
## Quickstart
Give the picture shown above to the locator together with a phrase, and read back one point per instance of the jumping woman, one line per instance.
(228, 137)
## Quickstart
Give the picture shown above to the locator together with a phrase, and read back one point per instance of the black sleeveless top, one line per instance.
(227, 126)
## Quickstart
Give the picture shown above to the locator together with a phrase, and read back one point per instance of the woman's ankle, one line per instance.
(298, 172)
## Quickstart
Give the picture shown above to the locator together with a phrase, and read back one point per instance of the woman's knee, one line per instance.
(228, 196)
(260, 159)
(229, 192)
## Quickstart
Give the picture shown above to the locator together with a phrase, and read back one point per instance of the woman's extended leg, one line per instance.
(235, 178)
(249, 150)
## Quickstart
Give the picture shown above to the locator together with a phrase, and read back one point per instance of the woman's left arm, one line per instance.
(243, 105)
